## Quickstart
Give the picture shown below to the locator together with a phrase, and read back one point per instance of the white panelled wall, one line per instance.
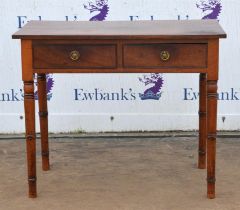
(105, 102)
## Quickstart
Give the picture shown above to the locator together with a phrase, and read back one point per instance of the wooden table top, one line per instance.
(157, 29)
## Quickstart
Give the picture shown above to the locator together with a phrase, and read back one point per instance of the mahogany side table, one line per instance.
(189, 46)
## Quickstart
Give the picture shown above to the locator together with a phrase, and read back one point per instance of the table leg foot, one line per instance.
(32, 182)
(211, 188)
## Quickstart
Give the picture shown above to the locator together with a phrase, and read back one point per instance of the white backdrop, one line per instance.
(105, 102)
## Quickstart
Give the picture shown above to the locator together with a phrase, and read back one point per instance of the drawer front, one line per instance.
(74, 56)
(165, 55)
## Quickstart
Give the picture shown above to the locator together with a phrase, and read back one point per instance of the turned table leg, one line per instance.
(43, 116)
(211, 140)
(29, 105)
(202, 121)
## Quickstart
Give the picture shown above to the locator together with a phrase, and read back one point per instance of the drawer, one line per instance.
(74, 56)
(165, 55)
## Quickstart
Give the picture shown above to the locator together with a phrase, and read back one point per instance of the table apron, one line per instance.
(122, 70)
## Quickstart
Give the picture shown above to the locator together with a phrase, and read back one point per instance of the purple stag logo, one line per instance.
(50, 83)
(99, 8)
(153, 92)
(211, 9)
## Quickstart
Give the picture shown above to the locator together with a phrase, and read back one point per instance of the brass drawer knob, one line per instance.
(74, 55)
(165, 55)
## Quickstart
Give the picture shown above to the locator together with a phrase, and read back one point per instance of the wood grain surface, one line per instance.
(164, 29)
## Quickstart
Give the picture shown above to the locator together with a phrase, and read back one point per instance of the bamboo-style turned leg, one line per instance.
(43, 116)
(29, 105)
(202, 121)
(211, 130)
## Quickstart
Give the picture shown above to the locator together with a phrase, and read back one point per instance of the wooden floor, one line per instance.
(120, 174)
